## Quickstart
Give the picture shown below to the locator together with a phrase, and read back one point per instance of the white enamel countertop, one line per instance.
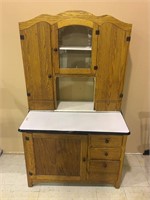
(105, 122)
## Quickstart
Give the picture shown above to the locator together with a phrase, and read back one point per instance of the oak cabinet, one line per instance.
(77, 149)
(75, 44)
(86, 55)
(61, 157)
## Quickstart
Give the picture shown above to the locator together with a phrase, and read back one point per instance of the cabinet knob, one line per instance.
(105, 165)
(106, 140)
(55, 49)
(84, 159)
(106, 153)
(49, 76)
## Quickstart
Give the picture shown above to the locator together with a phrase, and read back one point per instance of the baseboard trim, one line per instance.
(9, 152)
(134, 153)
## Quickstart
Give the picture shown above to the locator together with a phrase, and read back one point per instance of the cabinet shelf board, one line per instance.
(76, 48)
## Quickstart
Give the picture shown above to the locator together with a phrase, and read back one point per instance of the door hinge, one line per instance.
(121, 95)
(128, 38)
(22, 37)
(28, 94)
(95, 67)
(30, 173)
(27, 138)
(97, 32)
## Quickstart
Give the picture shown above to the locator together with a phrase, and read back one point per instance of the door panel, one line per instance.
(112, 55)
(60, 155)
(36, 51)
(74, 47)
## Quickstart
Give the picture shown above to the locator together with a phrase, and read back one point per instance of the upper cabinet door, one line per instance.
(36, 51)
(113, 43)
(74, 47)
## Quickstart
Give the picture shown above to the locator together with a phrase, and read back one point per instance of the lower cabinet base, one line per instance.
(100, 180)
(69, 158)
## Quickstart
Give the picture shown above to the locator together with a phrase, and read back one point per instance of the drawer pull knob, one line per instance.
(84, 159)
(49, 76)
(106, 154)
(106, 140)
(55, 49)
(105, 165)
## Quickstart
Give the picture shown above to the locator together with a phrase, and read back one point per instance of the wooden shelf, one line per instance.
(75, 106)
(76, 48)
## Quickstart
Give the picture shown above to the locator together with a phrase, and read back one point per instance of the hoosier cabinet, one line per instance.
(74, 65)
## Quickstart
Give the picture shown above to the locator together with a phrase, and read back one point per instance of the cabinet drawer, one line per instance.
(105, 140)
(104, 153)
(103, 166)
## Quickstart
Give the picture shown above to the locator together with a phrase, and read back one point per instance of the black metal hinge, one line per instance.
(121, 95)
(21, 37)
(30, 173)
(27, 138)
(28, 94)
(97, 32)
(128, 39)
(95, 67)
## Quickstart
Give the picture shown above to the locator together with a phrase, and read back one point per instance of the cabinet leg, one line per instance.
(117, 184)
(30, 183)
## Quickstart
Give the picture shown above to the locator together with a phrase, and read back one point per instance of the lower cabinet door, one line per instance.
(60, 157)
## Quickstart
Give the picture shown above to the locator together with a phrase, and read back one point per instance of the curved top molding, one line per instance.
(52, 19)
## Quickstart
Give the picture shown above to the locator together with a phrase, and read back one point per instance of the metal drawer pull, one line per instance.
(106, 140)
(105, 165)
(84, 159)
(106, 153)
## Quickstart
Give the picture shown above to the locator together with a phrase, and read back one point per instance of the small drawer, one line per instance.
(103, 166)
(104, 154)
(105, 140)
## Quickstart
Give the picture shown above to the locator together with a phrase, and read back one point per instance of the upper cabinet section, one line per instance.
(74, 40)
(75, 43)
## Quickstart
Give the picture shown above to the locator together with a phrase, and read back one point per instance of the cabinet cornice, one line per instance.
(52, 19)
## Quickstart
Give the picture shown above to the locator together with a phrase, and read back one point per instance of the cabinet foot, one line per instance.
(117, 185)
(30, 184)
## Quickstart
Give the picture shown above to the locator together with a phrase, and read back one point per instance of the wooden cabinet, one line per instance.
(74, 44)
(71, 151)
(68, 158)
